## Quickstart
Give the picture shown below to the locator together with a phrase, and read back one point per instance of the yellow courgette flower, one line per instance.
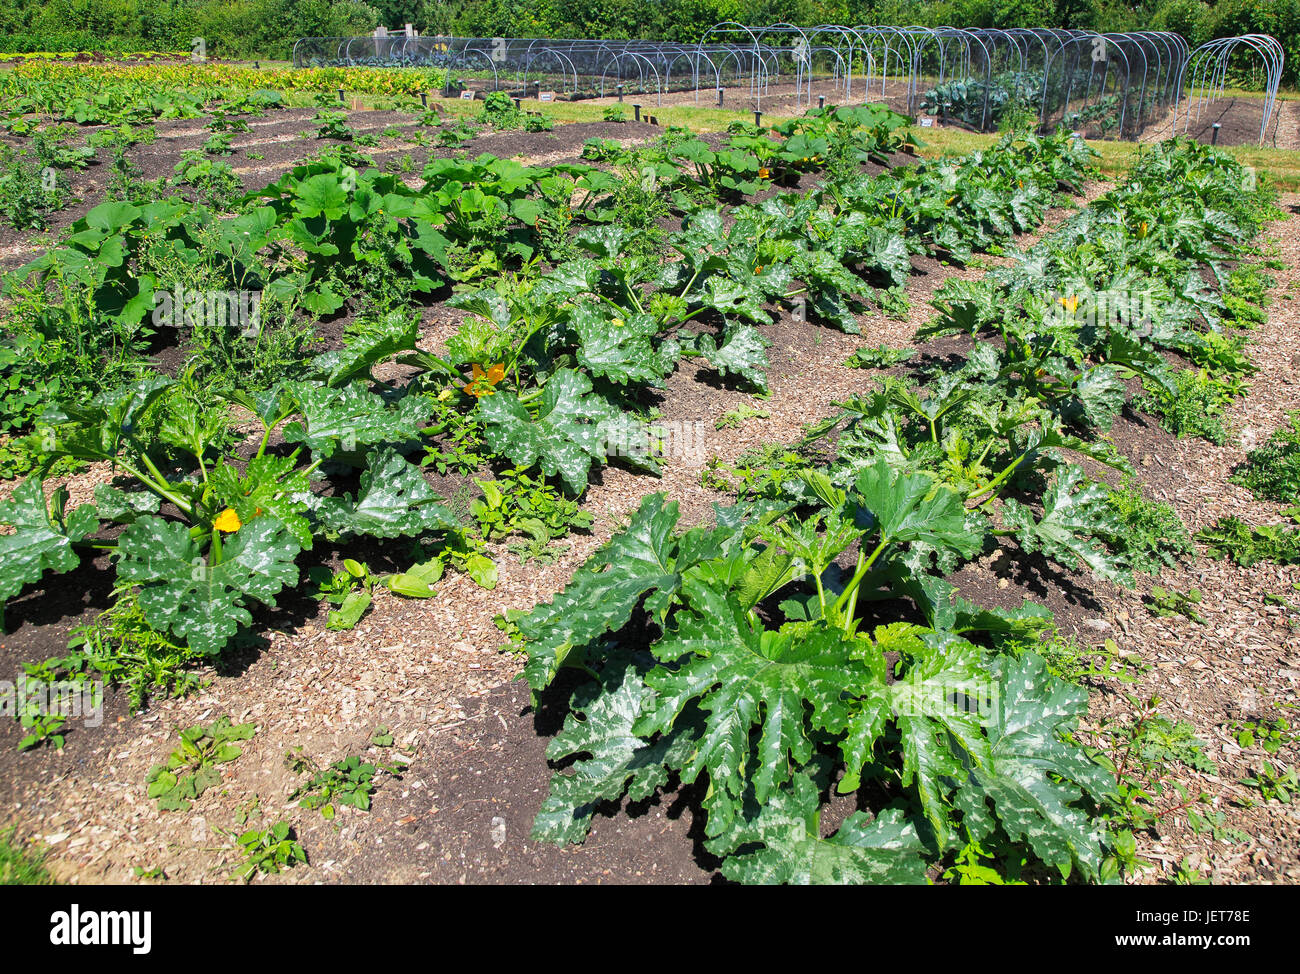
(228, 521)
(1069, 303)
(764, 173)
(482, 382)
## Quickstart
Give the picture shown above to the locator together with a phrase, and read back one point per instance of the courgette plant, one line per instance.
(206, 531)
(762, 680)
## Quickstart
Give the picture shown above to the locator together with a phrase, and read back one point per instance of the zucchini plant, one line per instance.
(759, 677)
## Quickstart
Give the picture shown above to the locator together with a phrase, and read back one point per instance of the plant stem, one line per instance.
(850, 593)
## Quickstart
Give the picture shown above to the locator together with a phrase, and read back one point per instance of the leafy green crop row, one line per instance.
(811, 640)
(222, 489)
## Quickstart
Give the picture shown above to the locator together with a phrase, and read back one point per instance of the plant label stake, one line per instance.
(546, 96)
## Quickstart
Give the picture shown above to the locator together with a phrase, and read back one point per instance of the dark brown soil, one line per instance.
(470, 820)
(1239, 120)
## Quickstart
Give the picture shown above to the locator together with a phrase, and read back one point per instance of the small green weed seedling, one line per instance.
(880, 357)
(1269, 735)
(192, 768)
(348, 781)
(1165, 603)
(268, 851)
(1274, 783)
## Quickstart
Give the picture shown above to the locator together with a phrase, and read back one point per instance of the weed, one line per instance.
(1166, 603)
(1188, 875)
(733, 418)
(191, 769)
(29, 191)
(1274, 783)
(1232, 538)
(348, 781)
(1153, 536)
(219, 144)
(1214, 824)
(20, 864)
(1270, 735)
(1078, 664)
(1194, 409)
(1272, 471)
(1246, 295)
(517, 502)
(268, 851)
(122, 646)
(1143, 752)
(881, 357)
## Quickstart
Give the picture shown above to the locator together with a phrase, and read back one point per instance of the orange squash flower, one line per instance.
(482, 382)
(228, 521)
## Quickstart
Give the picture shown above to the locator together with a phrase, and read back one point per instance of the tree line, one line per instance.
(267, 28)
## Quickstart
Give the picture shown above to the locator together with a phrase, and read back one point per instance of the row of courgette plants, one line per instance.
(809, 642)
(206, 522)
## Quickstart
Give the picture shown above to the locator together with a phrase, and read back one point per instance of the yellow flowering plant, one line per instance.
(206, 531)
(483, 380)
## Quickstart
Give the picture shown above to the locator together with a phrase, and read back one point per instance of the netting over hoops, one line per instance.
(1208, 108)
(571, 68)
(1103, 85)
